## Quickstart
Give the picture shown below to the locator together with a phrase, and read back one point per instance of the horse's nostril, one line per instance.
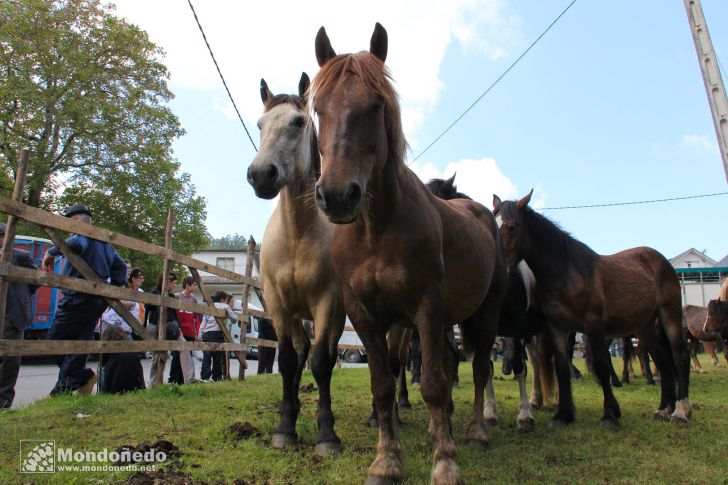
(272, 172)
(353, 194)
(250, 175)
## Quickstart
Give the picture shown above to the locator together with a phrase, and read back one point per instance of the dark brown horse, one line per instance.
(631, 292)
(403, 256)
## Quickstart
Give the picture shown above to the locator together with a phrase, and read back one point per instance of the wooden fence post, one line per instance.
(9, 240)
(161, 358)
(246, 294)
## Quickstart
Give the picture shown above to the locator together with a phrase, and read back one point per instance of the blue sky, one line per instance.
(608, 107)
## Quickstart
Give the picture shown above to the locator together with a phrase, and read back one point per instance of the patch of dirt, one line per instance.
(170, 475)
(169, 449)
(242, 481)
(243, 431)
(308, 388)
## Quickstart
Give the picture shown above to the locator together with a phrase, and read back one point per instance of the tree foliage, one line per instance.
(230, 241)
(86, 92)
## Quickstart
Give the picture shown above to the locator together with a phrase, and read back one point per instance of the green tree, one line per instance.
(87, 93)
(230, 241)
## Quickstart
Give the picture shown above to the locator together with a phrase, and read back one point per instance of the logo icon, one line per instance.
(37, 456)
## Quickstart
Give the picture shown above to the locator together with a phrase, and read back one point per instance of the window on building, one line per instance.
(226, 263)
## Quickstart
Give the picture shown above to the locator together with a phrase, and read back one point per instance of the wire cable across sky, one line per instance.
(199, 26)
(632, 203)
(497, 80)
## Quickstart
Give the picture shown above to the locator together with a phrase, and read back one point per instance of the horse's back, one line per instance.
(694, 318)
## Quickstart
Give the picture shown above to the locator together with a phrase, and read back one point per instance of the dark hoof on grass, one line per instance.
(404, 404)
(679, 420)
(380, 481)
(661, 415)
(328, 448)
(650, 382)
(491, 422)
(279, 440)
(478, 445)
(616, 384)
(525, 425)
(558, 423)
(609, 423)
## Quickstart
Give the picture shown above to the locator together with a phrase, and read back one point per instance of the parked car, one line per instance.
(251, 331)
(349, 337)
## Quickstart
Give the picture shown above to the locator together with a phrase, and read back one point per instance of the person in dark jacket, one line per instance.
(77, 313)
(122, 372)
(18, 316)
(266, 355)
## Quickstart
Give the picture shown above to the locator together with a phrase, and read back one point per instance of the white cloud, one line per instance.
(275, 40)
(699, 143)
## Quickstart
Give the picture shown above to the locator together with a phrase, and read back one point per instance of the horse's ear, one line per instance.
(496, 202)
(521, 204)
(265, 93)
(303, 85)
(449, 182)
(378, 44)
(324, 51)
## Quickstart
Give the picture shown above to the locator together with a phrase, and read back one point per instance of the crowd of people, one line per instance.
(80, 315)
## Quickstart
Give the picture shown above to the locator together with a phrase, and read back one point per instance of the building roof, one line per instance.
(695, 253)
(723, 263)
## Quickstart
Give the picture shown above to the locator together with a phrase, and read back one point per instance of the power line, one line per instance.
(497, 80)
(220, 73)
(632, 203)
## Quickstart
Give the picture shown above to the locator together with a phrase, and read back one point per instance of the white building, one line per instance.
(234, 260)
(700, 276)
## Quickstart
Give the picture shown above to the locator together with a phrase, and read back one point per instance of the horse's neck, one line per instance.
(384, 193)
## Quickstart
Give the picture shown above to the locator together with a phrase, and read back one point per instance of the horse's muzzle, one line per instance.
(340, 206)
(266, 180)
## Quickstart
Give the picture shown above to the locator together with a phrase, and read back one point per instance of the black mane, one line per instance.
(440, 188)
(552, 246)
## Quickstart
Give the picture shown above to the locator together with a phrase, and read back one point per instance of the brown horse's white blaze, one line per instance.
(298, 277)
(402, 255)
(632, 292)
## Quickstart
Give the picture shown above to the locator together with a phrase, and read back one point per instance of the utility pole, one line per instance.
(711, 76)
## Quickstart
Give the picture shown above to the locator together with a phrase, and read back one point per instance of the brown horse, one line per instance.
(632, 292)
(295, 262)
(716, 320)
(403, 256)
(694, 319)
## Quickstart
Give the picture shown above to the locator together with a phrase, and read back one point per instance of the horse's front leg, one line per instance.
(604, 370)
(329, 317)
(536, 400)
(436, 387)
(525, 421)
(565, 408)
(388, 466)
(293, 347)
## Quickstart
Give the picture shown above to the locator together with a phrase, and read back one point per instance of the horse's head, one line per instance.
(286, 134)
(716, 322)
(514, 234)
(359, 124)
(444, 189)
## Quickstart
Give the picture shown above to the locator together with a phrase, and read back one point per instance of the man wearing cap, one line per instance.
(18, 315)
(77, 313)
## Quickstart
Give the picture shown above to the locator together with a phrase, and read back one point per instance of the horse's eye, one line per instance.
(298, 121)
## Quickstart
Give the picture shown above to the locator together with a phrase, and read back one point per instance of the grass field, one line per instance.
(195, 417)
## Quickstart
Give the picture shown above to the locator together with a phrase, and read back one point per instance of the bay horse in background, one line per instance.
(632, 292)
(403, 256)
(519, 321)
(695, 317)
(298, 276)
(716, 320)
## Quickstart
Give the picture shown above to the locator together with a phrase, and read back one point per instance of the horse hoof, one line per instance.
(651, 383)
(404, 404)
(475, 444)
(491, 422)
(616, 384)
(678, 419)
(536, 404)
(379, 481)
(558, 423)
(609, 423)
(327, 448)
(279, 440)
(661, 415)
(525, 425)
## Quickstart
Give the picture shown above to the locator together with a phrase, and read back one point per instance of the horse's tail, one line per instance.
(547, 370)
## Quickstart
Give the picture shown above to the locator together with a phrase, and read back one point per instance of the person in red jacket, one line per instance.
(189, 323)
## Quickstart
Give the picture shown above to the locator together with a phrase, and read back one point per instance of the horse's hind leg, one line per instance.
(693, 344)
(603, 369)
(490, 411)
(525, 421)
(565, 407)
(402, 393)
(670, 316)
(293, 347)
(612, 373)
(627, 353)
(536, 390)
(329, 326)
(709, 348)
(659, 351)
